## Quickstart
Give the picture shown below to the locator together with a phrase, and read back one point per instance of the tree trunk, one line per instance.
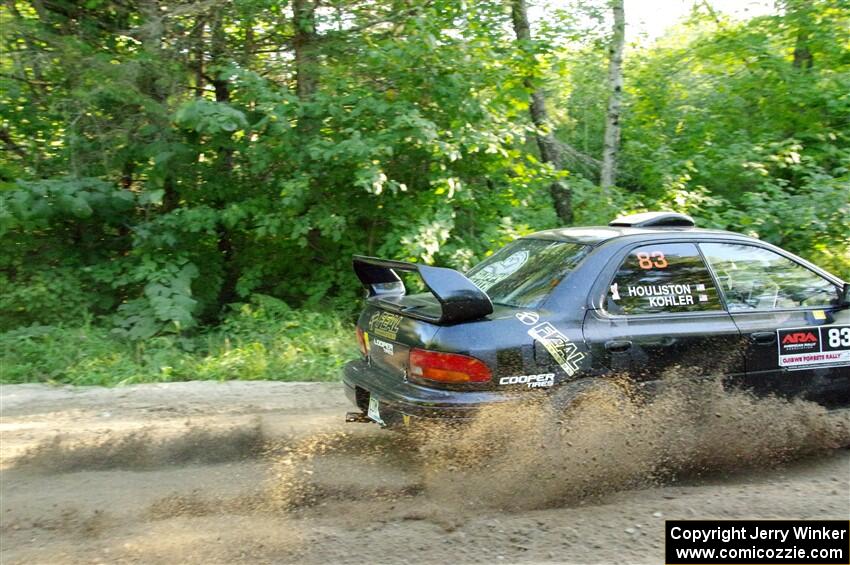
(550, 149)
(304, 45)
(608, 173)
(803, 58)
(225, 245)
(218, 52)
(198, 52)
(220, 83)
(150, 33)
(799, 17)
(248, 47)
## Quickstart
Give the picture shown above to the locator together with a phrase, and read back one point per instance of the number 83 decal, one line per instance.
(652, 260)
(838, 337)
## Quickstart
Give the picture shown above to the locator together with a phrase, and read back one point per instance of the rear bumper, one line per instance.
(401, 401)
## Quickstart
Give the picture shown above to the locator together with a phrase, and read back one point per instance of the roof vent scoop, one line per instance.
(654, 220)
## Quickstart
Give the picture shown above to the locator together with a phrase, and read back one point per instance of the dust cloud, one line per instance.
(527, 481)
(517, 456)
(144, 449)
(536, 455)
(611, 439)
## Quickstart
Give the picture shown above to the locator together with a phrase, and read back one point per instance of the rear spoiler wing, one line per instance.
(460, 300)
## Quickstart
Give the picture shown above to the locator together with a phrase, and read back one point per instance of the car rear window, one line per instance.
(523, 273)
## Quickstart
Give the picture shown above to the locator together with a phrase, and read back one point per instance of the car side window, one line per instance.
(754, 278)
(662, 278)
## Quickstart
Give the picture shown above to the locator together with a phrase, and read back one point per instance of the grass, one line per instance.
(264, 340)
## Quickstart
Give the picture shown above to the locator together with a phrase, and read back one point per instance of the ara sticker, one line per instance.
(800, 348)
(385, 324)
(528, 318)
(562, 350)
(543, 380)
(500, 270)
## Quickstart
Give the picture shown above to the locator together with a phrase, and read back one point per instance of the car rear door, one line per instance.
(797, 338)
(657, 311)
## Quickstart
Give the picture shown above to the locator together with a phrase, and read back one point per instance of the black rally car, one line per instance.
(561, 307)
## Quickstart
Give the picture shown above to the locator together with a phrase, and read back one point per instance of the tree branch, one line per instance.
(577, 155)
(28, 81)
(10, 143)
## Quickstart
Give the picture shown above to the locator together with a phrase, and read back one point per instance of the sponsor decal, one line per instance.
(543, 380)
(836, 339)
(805, 360)
(500, 270)
(811, 347)
(799, 340)
(528, 318)
(384, 324)
(562, 350)
(662, 301)
(659, 290)
(662, 295)
(386, 346)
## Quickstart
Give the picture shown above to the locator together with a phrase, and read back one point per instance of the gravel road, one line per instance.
(261, 472)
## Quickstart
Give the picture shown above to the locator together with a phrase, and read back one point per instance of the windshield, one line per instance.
(523, 273)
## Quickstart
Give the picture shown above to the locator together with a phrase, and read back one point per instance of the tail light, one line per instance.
(362, 343)
(447, 367)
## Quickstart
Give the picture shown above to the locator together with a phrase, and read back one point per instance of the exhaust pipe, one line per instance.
(358, 418)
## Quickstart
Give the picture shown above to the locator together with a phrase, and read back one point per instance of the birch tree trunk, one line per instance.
(550, 150)
(608, 172)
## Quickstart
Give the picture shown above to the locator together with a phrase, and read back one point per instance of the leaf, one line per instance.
(80, 207)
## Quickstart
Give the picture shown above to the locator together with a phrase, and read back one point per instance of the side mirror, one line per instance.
(844, 302)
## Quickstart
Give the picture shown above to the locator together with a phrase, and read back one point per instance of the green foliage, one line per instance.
(37, 204)
(160, 168)
(262, 339)
(731, 122)
(46, 296)
(208, 117)
(192, 188)
(167, 300)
